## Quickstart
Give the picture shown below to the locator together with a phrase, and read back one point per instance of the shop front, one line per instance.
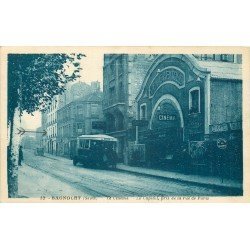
(226, 146)
(165, 136)
(52, 146)
(193, 111)
(172, 100)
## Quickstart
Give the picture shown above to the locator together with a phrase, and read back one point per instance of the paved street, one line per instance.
(57, 176)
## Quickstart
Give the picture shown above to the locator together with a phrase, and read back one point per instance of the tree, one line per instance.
(33, 80)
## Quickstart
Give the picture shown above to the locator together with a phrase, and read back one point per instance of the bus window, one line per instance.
(95, 144)
(110, 145)
(81, 143)
(86, 144)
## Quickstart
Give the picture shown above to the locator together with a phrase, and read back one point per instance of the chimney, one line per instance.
(95, 86)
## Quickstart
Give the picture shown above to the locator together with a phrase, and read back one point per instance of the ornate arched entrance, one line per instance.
(166, 129)
(167, 112)
(164, 101)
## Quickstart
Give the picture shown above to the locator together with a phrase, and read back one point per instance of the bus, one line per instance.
(94, 150)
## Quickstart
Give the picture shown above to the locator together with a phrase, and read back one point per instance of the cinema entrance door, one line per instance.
(164, 139)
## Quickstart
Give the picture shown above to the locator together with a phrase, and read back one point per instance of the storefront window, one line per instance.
(194, 100)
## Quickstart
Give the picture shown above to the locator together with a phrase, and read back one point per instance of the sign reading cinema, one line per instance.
(166, 117)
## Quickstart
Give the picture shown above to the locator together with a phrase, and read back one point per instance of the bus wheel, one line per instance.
(74, 161)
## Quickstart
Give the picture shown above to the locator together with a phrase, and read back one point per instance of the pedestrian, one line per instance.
(20, 156)
(113, 158)
(110, 157)
(210, 158)
(136, 157)
(220, 164)
(186, 161)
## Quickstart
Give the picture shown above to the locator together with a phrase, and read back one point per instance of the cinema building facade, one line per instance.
(192, 102)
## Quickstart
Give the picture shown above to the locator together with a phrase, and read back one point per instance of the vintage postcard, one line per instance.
(125, 124)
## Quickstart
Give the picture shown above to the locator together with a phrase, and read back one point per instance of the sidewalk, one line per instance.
(208, 181)
(56, 157)
(198, 180)
(33, 183)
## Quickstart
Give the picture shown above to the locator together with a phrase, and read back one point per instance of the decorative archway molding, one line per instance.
(190, 60)
(174, 102)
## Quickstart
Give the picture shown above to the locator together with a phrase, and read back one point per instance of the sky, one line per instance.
(92, 71)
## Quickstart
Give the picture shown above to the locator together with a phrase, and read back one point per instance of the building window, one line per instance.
(119, 62)
(80, 128)
(111, 95)
(112, 91)
(207, 57)
(227, 57)
(112, 70)
(121, 91)
(94, 110)
(204, 57)
(119, 121)
(238, 58)
(79, 112)
(194, 100)
(215, 57)
(143, 112)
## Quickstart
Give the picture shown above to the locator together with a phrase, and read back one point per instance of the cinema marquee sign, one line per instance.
(171, 75)
(164, 117)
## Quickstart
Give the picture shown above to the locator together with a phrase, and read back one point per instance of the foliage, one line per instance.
(33, 79)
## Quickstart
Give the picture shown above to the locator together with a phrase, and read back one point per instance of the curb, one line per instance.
(228, 190)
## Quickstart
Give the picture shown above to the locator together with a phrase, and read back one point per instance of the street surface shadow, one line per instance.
(82, 166)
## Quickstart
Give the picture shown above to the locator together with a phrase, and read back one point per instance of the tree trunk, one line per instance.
(13, 155)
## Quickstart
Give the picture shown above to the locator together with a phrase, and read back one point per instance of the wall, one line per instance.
(226, 101)
(178, 88)
(138, 66)
(76, 118)
(124, 73)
